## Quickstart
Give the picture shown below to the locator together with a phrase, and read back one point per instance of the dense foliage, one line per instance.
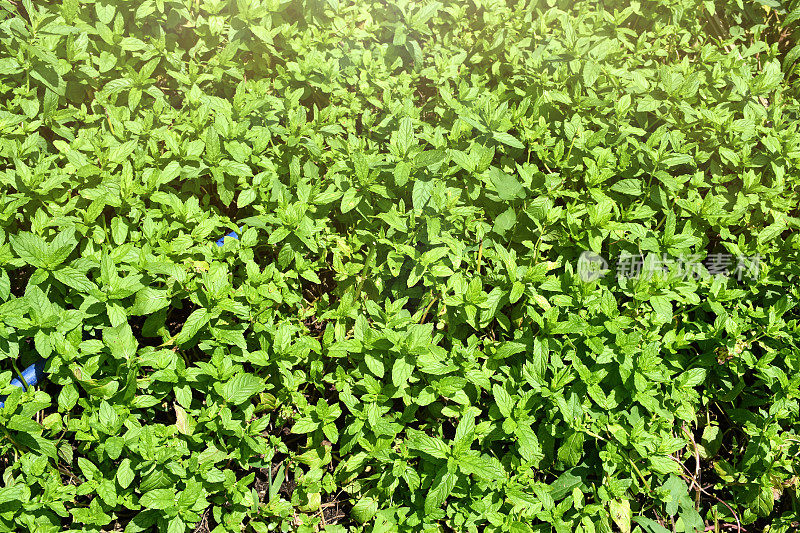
(400, 338)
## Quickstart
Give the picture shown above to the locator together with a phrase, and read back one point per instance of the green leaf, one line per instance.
(61, 247)
(107, 416)
(401, 372)
(503, 400)
(506, 185)
(278, 235)
(711, 441)
(674, 160)
(405, 136)
(305, 425)
(440, 489)
(74, 279)
(649, 525)
(564, 484)
(120, 152)
(120, 341)
(31, 248)
(15, 494)
(194, 322)
(68, 397)
(158, 499)
(769, 79)
(432, 446)
(621, 514)
(507, 138)
(771, 232)
(465, 432)
(764, 501)
(365, 509)
(571, 450)
(482, 466)
(350, 200)
(628, 186)
(421, 193)
(662, 307)
(240, 388)
(9, 65)
(149, 300)
(125, 475)
(429, 158)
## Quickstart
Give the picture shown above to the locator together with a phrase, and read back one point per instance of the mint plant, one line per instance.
(303, 266)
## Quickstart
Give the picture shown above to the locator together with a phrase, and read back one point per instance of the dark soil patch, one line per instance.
(137, 324)
(315, 328)
(19, 280)
(313, 291)
(176, 317)
(335, 509)
(204, 525)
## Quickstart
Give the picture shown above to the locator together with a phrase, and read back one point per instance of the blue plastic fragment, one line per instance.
(34, 373)
(221, 240)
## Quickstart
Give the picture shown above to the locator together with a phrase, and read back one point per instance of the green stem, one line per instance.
(21, 377)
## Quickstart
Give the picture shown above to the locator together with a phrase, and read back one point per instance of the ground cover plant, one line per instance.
(412, 328)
